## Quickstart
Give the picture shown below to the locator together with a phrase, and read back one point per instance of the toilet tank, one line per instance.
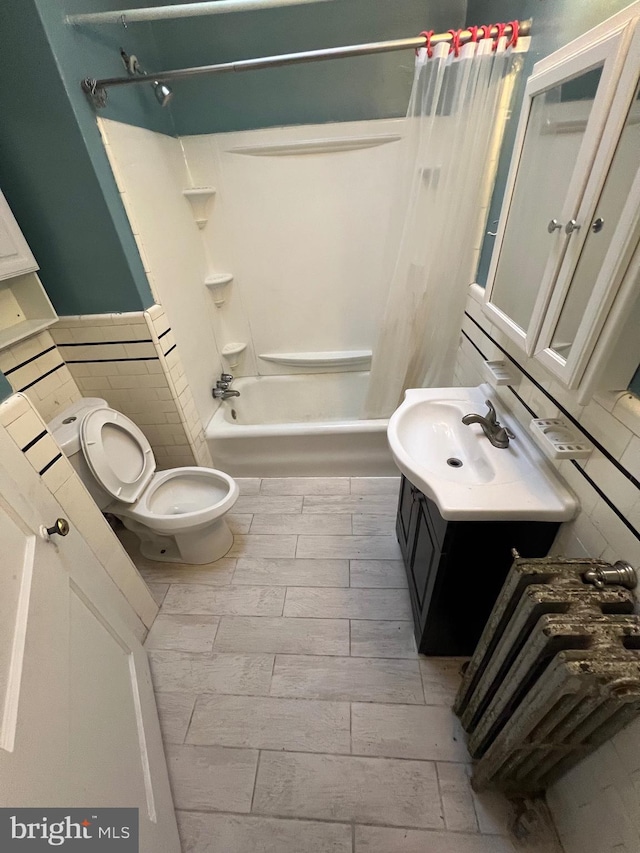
(65, 428)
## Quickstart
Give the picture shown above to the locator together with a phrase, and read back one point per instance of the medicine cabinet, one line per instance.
(24, 306)
(564, 276)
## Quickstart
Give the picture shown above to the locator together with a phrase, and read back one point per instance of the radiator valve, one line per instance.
(620, 573)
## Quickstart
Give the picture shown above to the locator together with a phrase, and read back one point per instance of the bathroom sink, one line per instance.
(462, 472)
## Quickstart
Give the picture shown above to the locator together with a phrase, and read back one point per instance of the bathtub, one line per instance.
(303, 425)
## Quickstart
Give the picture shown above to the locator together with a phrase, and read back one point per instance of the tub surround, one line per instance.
(309, 270)
(151, 174)
(132, 361)
(298, 283)
(25, 426)
(595, 806)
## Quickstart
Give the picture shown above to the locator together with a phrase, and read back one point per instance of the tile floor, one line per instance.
(297, 715)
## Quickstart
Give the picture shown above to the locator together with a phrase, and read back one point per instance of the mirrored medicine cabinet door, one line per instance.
(564, 114)
(598, 254)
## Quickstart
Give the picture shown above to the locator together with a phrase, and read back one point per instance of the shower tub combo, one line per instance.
(302, 425)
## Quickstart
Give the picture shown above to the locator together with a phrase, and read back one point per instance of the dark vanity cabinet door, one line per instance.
(455, 569)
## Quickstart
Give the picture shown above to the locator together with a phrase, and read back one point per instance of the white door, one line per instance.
(78, 720)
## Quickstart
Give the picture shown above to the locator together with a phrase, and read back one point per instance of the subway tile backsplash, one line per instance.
(36, 368)
(132, 362)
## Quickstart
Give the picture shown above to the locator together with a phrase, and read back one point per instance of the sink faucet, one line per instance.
(497, 434)
(223, 391)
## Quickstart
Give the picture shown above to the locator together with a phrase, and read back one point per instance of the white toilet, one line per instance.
(178, 515)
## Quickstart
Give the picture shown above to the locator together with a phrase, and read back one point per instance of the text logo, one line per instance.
(101, 830)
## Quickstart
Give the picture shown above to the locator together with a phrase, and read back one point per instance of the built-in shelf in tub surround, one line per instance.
(336, 358)
(217, 284)
(199, 198)
(232, 352)
(316, 146)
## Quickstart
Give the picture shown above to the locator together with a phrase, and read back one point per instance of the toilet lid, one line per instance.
(117, 452)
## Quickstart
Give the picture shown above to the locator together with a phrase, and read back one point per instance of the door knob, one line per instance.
(554, 225)
(597, 225)
(61, 527)
(571, 226)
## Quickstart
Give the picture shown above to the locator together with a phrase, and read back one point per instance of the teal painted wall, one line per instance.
(555, 23)
(53, 167)
(338, 90)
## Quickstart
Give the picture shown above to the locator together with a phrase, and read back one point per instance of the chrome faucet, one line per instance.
(497, 434)
(223, 391)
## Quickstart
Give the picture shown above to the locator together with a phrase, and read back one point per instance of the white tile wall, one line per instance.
(596, 806)
(35, 368)
(131, 360)
(26, 428)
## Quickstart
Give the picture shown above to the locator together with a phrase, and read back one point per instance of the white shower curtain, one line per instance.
(455, 123)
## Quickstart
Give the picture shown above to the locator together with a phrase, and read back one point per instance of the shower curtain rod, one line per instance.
(182, 10)
(96, 89)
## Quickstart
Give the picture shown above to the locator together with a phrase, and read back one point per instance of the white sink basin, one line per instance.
(462, 472)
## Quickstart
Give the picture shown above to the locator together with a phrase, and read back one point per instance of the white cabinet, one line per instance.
(15, 254)
(25, 307)
(563, 276)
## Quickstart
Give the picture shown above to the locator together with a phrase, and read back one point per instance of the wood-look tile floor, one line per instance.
(297, 715)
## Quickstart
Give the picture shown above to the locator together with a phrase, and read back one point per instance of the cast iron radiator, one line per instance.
(556, 672)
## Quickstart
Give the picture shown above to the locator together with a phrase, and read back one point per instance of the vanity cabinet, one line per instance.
(455, 569)
(564, 270)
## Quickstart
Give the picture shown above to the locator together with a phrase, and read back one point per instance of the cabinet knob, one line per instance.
(571, 226)
(597, 225)
(554, 225)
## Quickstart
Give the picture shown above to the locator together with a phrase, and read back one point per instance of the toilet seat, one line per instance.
(117, 453)
(164, 508)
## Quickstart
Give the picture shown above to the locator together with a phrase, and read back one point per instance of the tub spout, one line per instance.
(224, 393)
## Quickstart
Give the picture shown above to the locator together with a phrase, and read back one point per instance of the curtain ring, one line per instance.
(474, 33)
(428, 34)
(455, 42)
(501, 28)
(515, 32)
(485, 32)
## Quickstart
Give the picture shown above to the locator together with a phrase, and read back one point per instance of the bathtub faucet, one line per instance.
(222, 391)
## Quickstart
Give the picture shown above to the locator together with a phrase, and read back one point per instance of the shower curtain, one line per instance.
(455, 123)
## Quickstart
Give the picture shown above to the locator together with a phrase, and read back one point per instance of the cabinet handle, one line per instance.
(597, 225)
(554, 225)
(572, 226)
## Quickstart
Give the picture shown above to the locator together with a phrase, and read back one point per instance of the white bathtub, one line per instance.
(299, 425)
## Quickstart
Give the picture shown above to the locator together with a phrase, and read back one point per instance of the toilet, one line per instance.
(178, 515)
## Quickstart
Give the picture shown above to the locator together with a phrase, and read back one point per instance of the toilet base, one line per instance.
(194, 548)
